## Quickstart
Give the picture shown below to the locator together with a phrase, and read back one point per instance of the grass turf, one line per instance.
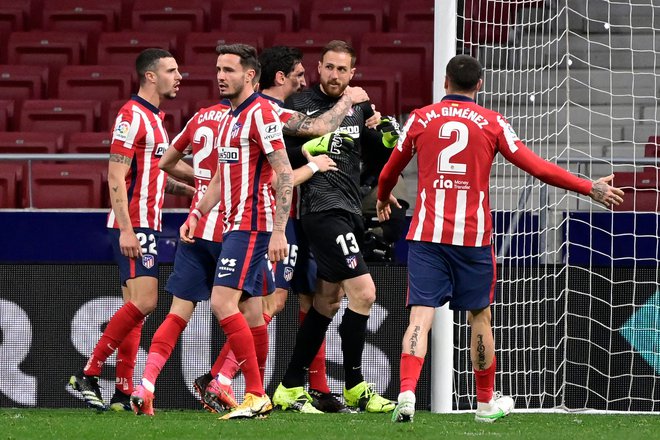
(87, 424)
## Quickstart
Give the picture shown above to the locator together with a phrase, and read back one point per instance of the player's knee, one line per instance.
(146, 303)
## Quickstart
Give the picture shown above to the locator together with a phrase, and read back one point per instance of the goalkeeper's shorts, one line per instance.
(439, 273)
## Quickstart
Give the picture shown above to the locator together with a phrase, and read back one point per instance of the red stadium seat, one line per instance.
(11, 176)
(103, 83)
(14, 15)
(176, 202)
(23, 82)
(311, 45)
(383, 87)
(90, 16)
(199, 47)
(6, 114)
(412, 16)
(30, 142)
(65, 185)
(411, 55)
(170, 16)
(121, 48)
(652, 147)
(199, 82)
(260, 16)
(52, 49)
(354, 17)
(641, 191)
(59, 115)
(88, 143)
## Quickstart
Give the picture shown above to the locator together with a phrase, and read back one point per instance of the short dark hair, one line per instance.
(245, 52)
(464, 72)
(148, 60)
(277, 59)
(341, 47)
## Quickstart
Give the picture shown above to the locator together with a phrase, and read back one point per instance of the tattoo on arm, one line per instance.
(599, 191)
(302, 125)
(175, 187)
(283, 189)
(120, 159)
(414, 340)
(481, 353)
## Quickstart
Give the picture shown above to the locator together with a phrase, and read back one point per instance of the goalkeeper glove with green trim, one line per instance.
(328, 143)
(389, 127)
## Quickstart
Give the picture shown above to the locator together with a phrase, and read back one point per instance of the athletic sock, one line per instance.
(226, 363)
(353, 329)
(162, 346)
(317, 377)
(239, 338)
(121, 323)
(410, 368)
(126, 355)
(260, 336)
(485, 381)
(308, 341)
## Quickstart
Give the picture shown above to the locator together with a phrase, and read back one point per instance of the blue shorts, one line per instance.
(130, 268)
(465, 276)
(194, 270)
(243, 263)
(298, 270)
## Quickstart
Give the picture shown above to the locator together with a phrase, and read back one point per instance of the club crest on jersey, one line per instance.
(228, 154)
(148, 261)
(288, 273)
(351, 261)
(236, 129)
(121, 131)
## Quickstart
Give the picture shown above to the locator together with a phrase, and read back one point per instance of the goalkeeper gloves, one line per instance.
(389, 127)
(328, 143)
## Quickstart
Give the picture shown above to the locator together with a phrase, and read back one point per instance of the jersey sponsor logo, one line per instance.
(288, 273)
(351, 130)
(160, 149)
(272, 131)
(351, 262)
(229, 262)
(441, 183)
(148, 261)
(228, 154)
(228, 267)
(311, 112)
(121, 131)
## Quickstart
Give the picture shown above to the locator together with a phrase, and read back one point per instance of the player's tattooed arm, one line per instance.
(283, 187)
(117, 168)
(177, 188)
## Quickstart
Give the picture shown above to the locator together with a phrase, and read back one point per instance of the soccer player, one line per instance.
(450, 256)
(332, 221)
(136, 194)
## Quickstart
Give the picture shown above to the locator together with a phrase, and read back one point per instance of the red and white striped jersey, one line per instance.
(456, 141)
(198, 138)
(139, 134)
(245, 136)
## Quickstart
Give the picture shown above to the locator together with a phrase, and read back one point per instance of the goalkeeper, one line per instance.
(450, 255)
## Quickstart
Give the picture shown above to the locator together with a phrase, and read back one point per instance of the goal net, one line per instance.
(577, 312)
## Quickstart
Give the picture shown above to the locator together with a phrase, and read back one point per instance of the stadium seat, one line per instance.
(52, 49)
(176, 114)
(23, 82)
(88, 143)
(408, 53)
(30, 142)
(64, 185)
(176, 202)
(103, 83)
(59, 115)
(90, 16)
(199, 82)
(383, 87)
(121, 48)
(652, 147)
(199, 47)
(170, 16)
(11, 176)
(265, 17)
(354, 17)
(412, 16)
(14, 15)
(311, 45)
(641, 190)
(6, 114)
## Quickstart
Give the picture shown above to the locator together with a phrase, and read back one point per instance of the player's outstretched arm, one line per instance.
(177, 188)
(302, 125)
(118, 167)
(602, 192)
(279, 161)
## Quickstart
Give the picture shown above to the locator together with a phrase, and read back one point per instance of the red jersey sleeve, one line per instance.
(126, 133)
(400, 157)
(517, 153)
(268, 129)
(183, 141)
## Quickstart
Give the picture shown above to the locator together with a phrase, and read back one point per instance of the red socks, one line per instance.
(317, 377)
(121, 323)
(485, 381)
(241, 342)
(260, 336)
(126, 359)
(162, 345)
(409, 370)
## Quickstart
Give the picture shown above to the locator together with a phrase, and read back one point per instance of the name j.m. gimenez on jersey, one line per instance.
(458, 112)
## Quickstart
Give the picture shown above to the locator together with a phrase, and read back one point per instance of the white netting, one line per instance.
(577, 313)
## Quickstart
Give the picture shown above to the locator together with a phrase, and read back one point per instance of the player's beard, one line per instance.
(235, 94)
(330, 88)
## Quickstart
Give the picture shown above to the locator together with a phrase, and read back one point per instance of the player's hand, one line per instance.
(383, 208)
(323, 161)
(328, 143)
(187, 230)
(603, 193)
(374, 119)
(356, 94)
(391, 130)
(278, 248)
(129, 244)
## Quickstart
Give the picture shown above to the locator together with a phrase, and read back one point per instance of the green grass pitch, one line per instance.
(88, 424)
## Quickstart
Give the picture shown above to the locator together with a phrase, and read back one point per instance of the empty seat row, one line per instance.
(61, 185)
